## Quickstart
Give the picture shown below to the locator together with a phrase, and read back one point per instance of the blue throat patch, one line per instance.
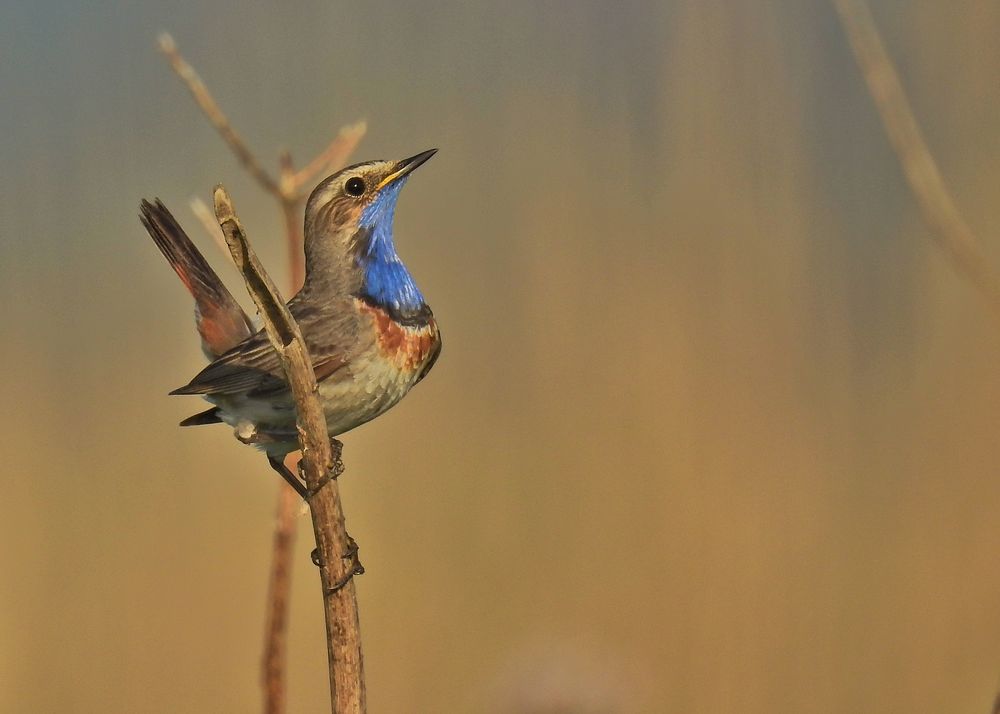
(387, 282)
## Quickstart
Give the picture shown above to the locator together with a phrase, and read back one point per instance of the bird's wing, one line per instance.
(253, 367)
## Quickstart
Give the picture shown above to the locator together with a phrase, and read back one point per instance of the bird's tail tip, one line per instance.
(209, 416)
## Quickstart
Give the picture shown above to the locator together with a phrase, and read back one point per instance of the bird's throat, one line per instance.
(386, 282)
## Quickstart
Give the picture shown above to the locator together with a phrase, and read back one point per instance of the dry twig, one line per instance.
(208, 105)
(332, 157)
(953, 235)
(279, 590)
(290, 190)
(321, 466)
(204, 214)
(292, 186)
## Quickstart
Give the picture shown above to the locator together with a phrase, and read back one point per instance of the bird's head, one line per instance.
(348, 233)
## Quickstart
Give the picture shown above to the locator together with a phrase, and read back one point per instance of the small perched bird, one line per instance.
(369, 331)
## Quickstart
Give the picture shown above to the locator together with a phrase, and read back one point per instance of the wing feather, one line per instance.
(252, 367)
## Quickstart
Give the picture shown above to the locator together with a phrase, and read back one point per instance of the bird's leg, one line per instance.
(290, 478)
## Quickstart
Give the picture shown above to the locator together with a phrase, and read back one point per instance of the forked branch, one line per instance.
(290, 190)
(292, 186)
(332, 158)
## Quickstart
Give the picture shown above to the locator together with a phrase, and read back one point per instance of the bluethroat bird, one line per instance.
(370, 333)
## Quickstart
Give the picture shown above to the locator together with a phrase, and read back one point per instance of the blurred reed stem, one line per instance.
(291, 190)
(950, 230)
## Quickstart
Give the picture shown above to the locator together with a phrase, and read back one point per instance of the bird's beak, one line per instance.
(404, 167)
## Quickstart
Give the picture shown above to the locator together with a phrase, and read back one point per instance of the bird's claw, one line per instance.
(331, 475)
(351, 554)
(357, 569)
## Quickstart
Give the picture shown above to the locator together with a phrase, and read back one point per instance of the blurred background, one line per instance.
(714, 427)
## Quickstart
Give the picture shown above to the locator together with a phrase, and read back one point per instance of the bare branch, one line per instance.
(321, 465)
(211, 109)
(290, 191)
(278, 593)
(283, 548)
(953, 235)
(204, 214)
(333, 157)
(290, 205)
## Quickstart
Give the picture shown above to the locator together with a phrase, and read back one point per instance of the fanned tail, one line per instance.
(221, 321)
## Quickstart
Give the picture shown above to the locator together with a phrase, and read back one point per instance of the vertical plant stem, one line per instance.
(321, 465)
(293, 236)
(278, 594)
(291, 202)
(275, 657)
(291, 190)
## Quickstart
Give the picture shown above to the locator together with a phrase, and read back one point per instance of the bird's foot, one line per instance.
(331, 475)
(351, 554)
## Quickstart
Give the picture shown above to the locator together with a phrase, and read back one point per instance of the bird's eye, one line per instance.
(354, 186)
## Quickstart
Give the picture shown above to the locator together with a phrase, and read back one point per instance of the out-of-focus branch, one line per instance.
(321, 462)
(952, 234)
(278, 593)
(280, 585)
(331, 158)
(291, 190)
(204, 214)
(208, 105)
(293, 222)
(291, 187)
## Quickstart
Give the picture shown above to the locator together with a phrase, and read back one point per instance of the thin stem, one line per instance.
(278, 593)
(290, 207)
(204, 214)
(293, 235)
(291, 190)
(211, 109)
(275, 650)
(321, 465)
(952, 234)
(333, 157)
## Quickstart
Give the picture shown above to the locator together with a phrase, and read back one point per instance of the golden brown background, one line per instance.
(715, 425)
